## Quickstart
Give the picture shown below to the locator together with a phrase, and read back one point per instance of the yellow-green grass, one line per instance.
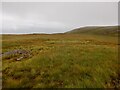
(61, 61)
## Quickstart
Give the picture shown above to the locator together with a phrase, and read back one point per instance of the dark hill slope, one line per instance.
(97, 30)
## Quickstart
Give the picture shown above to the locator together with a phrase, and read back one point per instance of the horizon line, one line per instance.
(59, 32)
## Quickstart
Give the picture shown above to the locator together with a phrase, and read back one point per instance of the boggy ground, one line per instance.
(61, 61)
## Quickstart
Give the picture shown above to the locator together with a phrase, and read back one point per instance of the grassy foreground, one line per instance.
(61, 61)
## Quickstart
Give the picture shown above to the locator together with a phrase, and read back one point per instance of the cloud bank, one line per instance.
(56, 17)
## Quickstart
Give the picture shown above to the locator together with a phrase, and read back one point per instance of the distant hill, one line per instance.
(97, 30)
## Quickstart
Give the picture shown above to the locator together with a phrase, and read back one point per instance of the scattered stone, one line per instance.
(18, 59)
(21, 54)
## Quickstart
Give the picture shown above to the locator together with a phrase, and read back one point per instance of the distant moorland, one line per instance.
(97, 30)
(82, 58)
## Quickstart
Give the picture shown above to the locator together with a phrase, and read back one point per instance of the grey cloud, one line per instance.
(50, 17)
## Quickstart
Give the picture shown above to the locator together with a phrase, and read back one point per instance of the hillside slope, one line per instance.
(98, 30)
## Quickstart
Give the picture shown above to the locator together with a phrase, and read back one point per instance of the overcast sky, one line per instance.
(51, 17)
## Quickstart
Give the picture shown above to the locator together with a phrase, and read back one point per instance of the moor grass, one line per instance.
(61, 61)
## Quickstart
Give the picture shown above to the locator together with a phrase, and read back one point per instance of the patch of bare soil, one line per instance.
(114, 82)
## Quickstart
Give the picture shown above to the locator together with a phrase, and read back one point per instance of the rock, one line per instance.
(18, 59)
(20, 54)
